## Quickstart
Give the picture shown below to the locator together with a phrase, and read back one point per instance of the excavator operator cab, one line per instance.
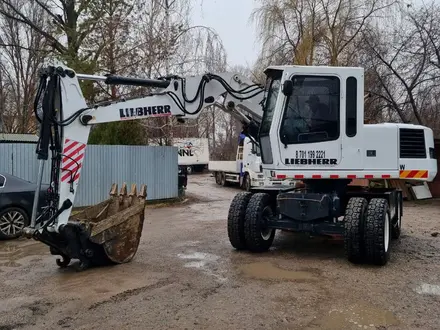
(313, 128)
(310, 114)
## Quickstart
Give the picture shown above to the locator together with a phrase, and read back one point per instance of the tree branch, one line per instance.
(23, 19)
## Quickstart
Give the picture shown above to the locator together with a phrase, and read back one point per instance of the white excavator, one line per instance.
(309, 124)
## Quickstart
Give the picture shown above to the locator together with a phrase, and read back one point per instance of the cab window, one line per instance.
(312, 111)
(272, 92)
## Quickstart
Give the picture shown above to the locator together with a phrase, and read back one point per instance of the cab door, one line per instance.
(310, 136)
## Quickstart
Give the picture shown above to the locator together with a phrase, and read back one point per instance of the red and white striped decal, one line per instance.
(73, 155)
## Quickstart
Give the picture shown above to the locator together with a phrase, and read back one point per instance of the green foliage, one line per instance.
(118, 133)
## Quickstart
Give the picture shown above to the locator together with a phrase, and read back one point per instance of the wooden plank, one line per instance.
(360, 182)
(400, 184)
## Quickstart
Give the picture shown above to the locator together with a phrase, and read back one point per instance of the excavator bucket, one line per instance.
(113, 227)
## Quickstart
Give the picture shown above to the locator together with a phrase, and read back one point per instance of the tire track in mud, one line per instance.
(124, 295)
(25, 315)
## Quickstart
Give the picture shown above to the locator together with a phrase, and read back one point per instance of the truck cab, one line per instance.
(246, 170)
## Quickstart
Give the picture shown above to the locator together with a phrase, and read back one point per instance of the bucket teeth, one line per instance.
(143, 192)
(115, 225)
(133, 190)
(114, 190)
(123, 191)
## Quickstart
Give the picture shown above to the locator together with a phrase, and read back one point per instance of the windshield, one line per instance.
(271, 100)
(312, 111)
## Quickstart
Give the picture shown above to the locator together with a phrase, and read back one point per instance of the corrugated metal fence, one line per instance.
(103, 165)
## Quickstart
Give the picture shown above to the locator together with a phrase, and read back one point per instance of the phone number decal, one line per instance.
(314, 154)
(311, 158)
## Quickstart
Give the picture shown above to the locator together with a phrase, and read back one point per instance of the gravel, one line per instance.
(186, 275)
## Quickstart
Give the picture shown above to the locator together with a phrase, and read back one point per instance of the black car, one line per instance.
(16, 201)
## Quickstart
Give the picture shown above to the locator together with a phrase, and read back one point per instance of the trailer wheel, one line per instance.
(218, 178)
(223, 181)
(354, 219)
(258, 236)
(236, 218)
(377, 231)
(397, 223)
(247, 182)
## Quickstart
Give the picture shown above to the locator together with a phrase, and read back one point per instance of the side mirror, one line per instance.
(288, 87)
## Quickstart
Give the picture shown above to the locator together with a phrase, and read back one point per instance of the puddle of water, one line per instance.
(430, 289)
(13, 251)
(187, 244)
(199, 255)
(195, 264)
(268, 271)
(362, 316)
(203, 261)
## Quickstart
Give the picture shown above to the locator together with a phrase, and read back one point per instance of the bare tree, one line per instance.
(308, 32)
(175, 48)
(289, 30)
(22, 51)
(71, 20)
(404, 66)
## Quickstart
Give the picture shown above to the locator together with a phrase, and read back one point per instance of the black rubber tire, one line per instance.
(236, 219)
(376, 251)
(223, 181)
(217, 178)
(26, 221)
(396, 228)
(354, 219)
(258, 205)
(247, 182)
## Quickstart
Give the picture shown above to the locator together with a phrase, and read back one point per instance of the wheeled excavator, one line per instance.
(309, 124)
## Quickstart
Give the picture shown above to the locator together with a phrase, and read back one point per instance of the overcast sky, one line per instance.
(230, 18)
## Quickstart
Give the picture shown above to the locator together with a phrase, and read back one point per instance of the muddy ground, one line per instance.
(187, 276)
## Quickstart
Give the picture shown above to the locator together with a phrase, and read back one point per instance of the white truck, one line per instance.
(193, 154)
(245, 170)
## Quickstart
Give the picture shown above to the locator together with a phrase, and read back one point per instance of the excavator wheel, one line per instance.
(106, 233)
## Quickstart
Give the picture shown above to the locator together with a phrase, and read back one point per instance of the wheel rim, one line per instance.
(387, 232)
(189, 170)
(11, 223)
(265, 232)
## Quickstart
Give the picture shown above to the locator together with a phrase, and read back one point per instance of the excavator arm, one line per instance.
(65, 122)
